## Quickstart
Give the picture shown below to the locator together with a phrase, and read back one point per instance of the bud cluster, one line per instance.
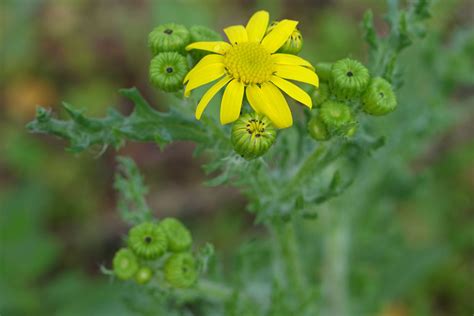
(346, 88)
(157, 249)
(171, 62)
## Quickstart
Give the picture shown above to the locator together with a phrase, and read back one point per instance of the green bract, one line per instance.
(180, 270)
(379, 99)
(148, 240)
(252, 135)
(125, 264)
(179, 237)
(349, 78)
(169, 37)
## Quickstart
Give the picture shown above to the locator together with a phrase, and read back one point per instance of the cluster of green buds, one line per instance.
(157, 249)
(171, 62)
(347, 88)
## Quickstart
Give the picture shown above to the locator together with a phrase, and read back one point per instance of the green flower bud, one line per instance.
(252, 135)
(317, 129)
(293, 44)
(320, 94)
(337, 116)
(324, 71)
(201, 33)
(349, 78)
(379, 99)
(143, 275)
(167, 71)
(125, 264)
(148, 240)
(179, 237)
(180, 270)
(168, 38)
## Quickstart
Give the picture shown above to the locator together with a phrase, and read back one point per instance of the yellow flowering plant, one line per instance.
(287, 164)
(250, 65)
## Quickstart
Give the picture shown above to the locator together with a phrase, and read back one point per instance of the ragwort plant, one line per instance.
(287, 164)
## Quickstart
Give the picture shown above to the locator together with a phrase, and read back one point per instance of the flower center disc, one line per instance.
(249, 63)
(255, 127)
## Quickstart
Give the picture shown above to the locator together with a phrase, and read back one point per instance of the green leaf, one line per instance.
(144, 124)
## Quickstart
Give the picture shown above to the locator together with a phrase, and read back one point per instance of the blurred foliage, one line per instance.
(411, 210)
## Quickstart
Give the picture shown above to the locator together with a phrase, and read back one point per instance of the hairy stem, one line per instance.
(335, 260)
(288, 251)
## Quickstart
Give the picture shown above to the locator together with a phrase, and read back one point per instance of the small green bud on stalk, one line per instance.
(167, 71)
(349, 78)
(125, 264)
(148, 240)
(180, 270)
(320, 94)
(252, 135)
(337, 117)
(317, 129)
(379, 99)
(293, 44)
(143, 275)
(179, 237)
(168, 38)
(201, 33)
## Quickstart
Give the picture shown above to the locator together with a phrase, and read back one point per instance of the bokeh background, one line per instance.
(58, 222)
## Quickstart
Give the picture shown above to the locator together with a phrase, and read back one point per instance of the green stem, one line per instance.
(207, 290)
(288, 252)
(335, 262)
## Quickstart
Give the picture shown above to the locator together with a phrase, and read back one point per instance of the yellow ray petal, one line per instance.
(232, 101)
(254, 96)
(203, 76)
(205, 61)
(207, 97)
(287, 59)
(278, 36)
(269, 101)
(236, 34)
(292, 90)
(280, 114)
(257, 26)
(216, 47)
(297, 73)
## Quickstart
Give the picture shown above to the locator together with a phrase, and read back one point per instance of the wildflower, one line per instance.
(179, 237)
(168, 38)
(379, 98)
(180, 270)
(252, 135)
(293, 44)
(148, 240)
(167, 71)
(337, 117)
(349, 78)
(317, 129)
(143, 275)
(249, 64)
(125, 264)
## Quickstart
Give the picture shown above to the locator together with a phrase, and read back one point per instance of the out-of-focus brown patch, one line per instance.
(22, 97)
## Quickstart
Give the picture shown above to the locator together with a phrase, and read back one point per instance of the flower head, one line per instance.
(250, 66)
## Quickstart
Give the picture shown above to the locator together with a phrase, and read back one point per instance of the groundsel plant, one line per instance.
(288, 163)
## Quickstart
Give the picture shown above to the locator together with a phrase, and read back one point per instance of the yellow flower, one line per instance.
(250, 65)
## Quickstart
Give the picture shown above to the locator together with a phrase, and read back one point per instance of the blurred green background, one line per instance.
(57, 210)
